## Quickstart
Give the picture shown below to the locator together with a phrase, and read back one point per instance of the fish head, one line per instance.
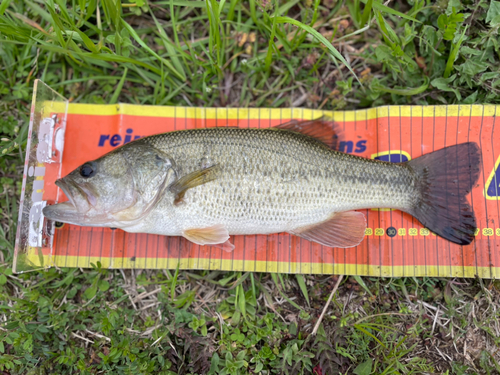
(115, 190)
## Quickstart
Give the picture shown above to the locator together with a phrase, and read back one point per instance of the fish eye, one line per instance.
(88, 170)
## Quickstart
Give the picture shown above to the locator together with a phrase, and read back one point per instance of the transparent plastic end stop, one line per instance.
(44, 150)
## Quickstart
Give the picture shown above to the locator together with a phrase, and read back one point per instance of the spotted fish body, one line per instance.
(208, 184)
(271, 181)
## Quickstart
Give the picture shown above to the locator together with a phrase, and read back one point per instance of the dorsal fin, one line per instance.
(324, 131)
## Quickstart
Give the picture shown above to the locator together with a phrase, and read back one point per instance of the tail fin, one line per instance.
(445, 177)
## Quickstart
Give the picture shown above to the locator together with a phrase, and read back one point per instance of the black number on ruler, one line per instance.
(391, 231)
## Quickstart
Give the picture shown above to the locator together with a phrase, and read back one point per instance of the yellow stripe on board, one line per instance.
(262, 266)
(274, 113)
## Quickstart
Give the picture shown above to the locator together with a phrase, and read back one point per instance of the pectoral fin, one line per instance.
(213, 235)
(192, 180)
(344, 229)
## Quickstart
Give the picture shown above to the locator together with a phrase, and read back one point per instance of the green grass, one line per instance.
(259, 53)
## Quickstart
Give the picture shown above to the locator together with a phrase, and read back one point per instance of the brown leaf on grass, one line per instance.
(95, 359)
(313, 98)
(241, 38)
(343, 24)
(329, 3)
(30, 22)
(421, 62)
(365, 72)
(326, 33)
(310, 59)
(292, 318)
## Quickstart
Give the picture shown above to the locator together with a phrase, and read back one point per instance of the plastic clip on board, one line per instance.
(44, 155)
(395, 244)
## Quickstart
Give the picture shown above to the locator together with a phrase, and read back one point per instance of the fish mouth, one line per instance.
(64, 212)
(80, 201)
(65, 188)
(72, 191)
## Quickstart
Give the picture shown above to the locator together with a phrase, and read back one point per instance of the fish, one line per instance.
(209, 184)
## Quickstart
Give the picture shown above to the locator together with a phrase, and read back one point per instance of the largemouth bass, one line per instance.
(208, 184)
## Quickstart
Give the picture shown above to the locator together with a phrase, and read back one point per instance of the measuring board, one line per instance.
(395, 244)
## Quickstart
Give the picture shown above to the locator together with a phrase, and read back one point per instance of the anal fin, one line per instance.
(227, 246)
(343, 229)
(214, 235)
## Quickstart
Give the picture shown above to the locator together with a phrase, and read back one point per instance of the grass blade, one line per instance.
(388, 33)
(360, 281)
(275, 276)
(145, 46)
(215, 40)
(113, 11)
(286, 6)
(39, 11)
(334, 53)
(183, 3)
(4, 5)
(359, 31)
(269, 57)
(360, 328)
(174, 283)
(168, 46)
(303, 287)
(88, 43)
(27, 21)
(406, 92)
(453, 55)
(64, 13)
(221, 6)
(57, 24)
(4, 241)
(353, 12)
(241, 300)
(176, 36)
(253, 12)
(366, 12)
(118, 90)
(107, 57)
(382, 8)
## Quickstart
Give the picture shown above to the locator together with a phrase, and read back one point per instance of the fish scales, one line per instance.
(272, 181)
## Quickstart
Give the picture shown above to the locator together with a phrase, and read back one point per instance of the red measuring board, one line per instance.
(395, 244)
